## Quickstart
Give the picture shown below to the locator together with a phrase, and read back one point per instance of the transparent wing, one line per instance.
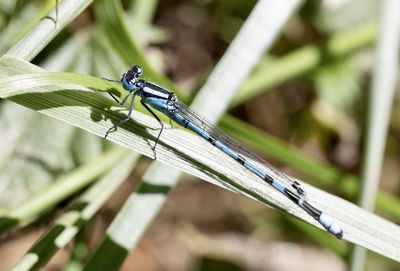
(200, 121)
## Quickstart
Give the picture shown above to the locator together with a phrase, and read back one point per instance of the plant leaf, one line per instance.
(94, 113)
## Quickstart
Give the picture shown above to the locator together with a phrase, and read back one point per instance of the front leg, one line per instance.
(111, 80)
(112, 95)
(116, 99)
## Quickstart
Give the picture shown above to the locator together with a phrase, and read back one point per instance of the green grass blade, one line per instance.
(34, 163)
(303, 60)
(110, 14)
(325, 174)
(82, 211)
(45, 30)
(143, 11)
(63, 188)
(189, 153)
(22, 21)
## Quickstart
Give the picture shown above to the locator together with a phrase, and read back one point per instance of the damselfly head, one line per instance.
(130, 78)
(136, 70)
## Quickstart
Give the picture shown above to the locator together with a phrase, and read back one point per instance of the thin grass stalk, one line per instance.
(44, 31)
(143, 11)
(380, 104)
(304, 60)
(110, 15)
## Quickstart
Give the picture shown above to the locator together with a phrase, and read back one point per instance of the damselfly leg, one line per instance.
(114, 128)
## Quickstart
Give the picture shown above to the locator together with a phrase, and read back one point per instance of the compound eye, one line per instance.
(137, 70)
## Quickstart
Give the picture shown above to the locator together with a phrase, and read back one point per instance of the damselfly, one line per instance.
(167, 103)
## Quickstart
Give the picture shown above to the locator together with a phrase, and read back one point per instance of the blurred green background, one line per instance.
(303, 108)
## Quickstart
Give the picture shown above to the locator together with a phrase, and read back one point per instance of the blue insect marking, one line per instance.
(167, 103)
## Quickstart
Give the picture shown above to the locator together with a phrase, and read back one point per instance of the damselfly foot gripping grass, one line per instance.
(167, 103)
